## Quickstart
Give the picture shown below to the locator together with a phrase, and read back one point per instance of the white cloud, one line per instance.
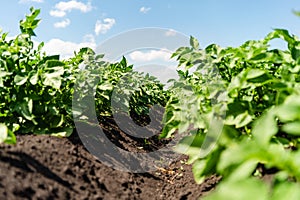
(170, 33)
(66, 48)
(139, 56)
(74, 5)
(63, 23)
(103, 27)
(144, 10)
(62, 8)
(57, 13)
(31, 1)
(157, 63)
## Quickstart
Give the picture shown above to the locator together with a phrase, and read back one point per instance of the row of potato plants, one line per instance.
(240, 107)
(42, 94)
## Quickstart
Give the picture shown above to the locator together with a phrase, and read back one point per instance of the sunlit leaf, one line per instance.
(264, 128)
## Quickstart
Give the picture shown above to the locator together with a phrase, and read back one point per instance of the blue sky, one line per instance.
(70, 24)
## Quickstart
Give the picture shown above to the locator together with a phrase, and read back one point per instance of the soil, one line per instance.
(45, 167)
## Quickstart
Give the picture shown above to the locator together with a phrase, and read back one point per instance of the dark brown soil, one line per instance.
(45, 167)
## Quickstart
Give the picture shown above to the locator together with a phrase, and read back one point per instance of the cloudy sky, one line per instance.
(70, 24)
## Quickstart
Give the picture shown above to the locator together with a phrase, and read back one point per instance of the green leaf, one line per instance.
(66, 132)
(247, 189)
(57, 121)
(52, 80)
(26, 108)
(241, 151)
(260, 57)
(34, 79)
(40, 46)
(52, 58)
(297, 13)
(244, 170)
(254, 73)
(30, 23)
(242, 120)
(55, 64)
(285, 191)
(105, 86)
(295, 51)
(11, 138)
(264, 128)
(194, 43)
(292, 128)
(5, 73)
(198, 168)
(123, 62)
(281, 33)
(20, 80)
(290, 110)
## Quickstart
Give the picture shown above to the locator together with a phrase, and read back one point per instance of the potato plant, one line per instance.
(253, 92)
(41, 94)
(35, 88)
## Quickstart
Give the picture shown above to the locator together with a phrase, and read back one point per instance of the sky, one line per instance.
(68, 25)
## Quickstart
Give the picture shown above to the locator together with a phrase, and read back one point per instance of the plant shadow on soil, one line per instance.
(45, 167)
